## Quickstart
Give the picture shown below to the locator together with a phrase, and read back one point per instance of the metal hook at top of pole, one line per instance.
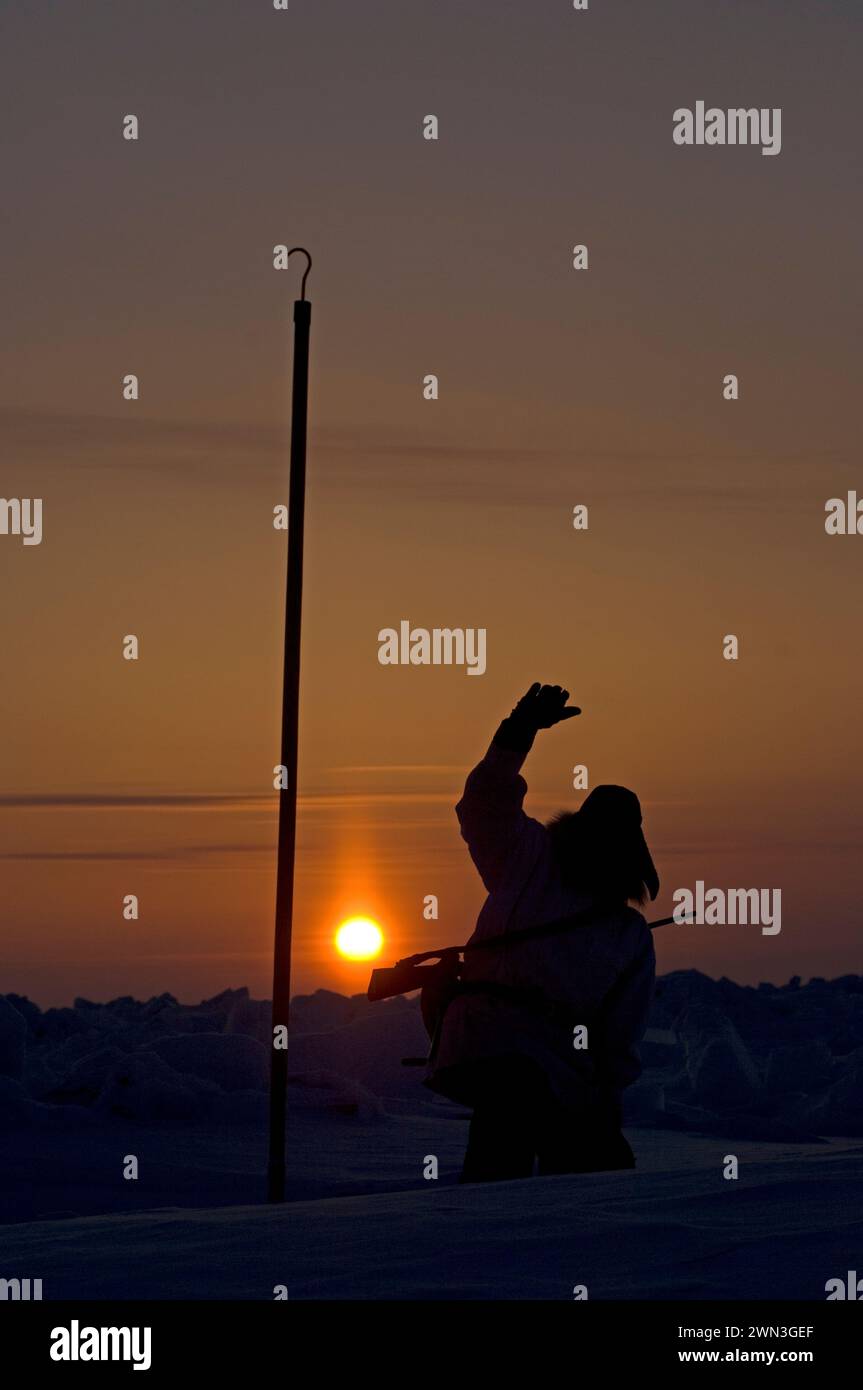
(307, 269)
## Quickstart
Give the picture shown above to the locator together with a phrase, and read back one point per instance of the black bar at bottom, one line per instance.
(259, 1339)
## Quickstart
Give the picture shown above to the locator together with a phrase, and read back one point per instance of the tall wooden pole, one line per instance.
(290, 723)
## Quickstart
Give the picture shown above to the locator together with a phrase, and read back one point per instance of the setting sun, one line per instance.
(359, 938)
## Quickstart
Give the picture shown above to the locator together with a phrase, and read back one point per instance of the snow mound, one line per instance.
(323, 1090)
(144, 1088)
(233, 1062)
(370, 1051)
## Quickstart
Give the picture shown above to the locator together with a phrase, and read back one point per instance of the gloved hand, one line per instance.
(541, 707)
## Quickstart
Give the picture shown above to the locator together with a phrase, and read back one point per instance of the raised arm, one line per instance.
(490, 814)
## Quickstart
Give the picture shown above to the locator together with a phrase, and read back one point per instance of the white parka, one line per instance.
(603, 971)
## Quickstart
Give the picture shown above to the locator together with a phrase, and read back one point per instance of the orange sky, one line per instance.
(556, 388)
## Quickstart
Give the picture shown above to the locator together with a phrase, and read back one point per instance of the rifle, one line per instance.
(411, 973)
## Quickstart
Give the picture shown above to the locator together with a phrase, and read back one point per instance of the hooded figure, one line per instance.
(541, 1038)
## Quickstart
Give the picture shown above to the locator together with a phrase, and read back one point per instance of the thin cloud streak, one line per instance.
(123, 856)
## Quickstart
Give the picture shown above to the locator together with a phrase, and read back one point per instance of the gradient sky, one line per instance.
(557, 387)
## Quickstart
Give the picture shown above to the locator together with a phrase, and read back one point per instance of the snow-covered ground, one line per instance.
(768, 1075)
(674, 1228)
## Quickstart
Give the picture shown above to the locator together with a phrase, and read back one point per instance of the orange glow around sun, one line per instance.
(359, 939)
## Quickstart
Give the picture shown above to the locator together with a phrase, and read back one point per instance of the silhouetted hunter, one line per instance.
(505, 1045)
